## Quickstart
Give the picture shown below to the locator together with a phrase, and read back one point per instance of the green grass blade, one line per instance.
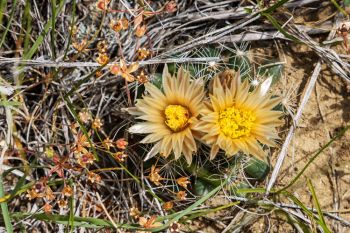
(4, 209)
(198, 213)
(71, 213)
(9, 22)
(250, 190)
(275, 6)
(85, 132)
(40, 39)
(276, 24)
(38, 42)
(3, 4)
(296, 222)
(296, 201)
(339, 135)
(317, 204)
(308, 212)
(205, 212)
(90, 222)
(53, 28)
(27, 21)
(339, 7)
(78, 221)
(6, 103)
(190, 208)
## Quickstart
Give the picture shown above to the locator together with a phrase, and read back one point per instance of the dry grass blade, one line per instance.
(306, 96)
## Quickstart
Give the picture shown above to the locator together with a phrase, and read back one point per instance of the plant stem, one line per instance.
(4, 209)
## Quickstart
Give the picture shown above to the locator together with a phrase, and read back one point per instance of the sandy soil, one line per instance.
(327, 112)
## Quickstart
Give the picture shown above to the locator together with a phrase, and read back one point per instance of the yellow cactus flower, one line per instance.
(237, 119)
(170, 115)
